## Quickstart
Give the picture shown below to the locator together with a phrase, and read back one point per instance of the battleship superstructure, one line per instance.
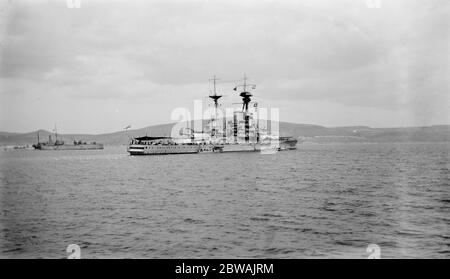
(241, 134)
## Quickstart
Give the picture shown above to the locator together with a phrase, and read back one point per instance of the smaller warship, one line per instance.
(61, 145)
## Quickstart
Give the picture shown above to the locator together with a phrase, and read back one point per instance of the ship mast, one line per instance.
(215, 98)
(246, 95)
(56, 135)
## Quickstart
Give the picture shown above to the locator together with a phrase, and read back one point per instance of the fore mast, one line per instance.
(215, 97)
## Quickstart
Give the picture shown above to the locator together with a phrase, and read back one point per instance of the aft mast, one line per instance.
(56, 135)
(246, 99)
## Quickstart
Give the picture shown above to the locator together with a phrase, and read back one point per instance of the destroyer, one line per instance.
(61, 145)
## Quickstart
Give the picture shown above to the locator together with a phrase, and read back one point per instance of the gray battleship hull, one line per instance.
(241, 147)
(281, 144)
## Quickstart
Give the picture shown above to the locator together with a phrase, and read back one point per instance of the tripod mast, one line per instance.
(215, 97)
(246, 99)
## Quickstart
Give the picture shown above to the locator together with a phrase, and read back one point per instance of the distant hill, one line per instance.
(7, 134)
(307, 132)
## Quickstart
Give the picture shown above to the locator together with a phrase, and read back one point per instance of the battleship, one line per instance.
(241, 134)
(61, 145)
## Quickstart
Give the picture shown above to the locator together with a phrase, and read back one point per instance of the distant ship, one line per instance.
(288, 143)
(61, 145)
(242, 134)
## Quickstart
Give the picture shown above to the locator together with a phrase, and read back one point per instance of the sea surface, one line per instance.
(321, 201)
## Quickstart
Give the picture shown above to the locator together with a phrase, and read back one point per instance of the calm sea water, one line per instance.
(328, 201)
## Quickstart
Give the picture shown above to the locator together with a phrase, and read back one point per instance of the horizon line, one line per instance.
(329, 127)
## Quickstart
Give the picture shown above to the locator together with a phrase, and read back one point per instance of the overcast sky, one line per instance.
(108, 64)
